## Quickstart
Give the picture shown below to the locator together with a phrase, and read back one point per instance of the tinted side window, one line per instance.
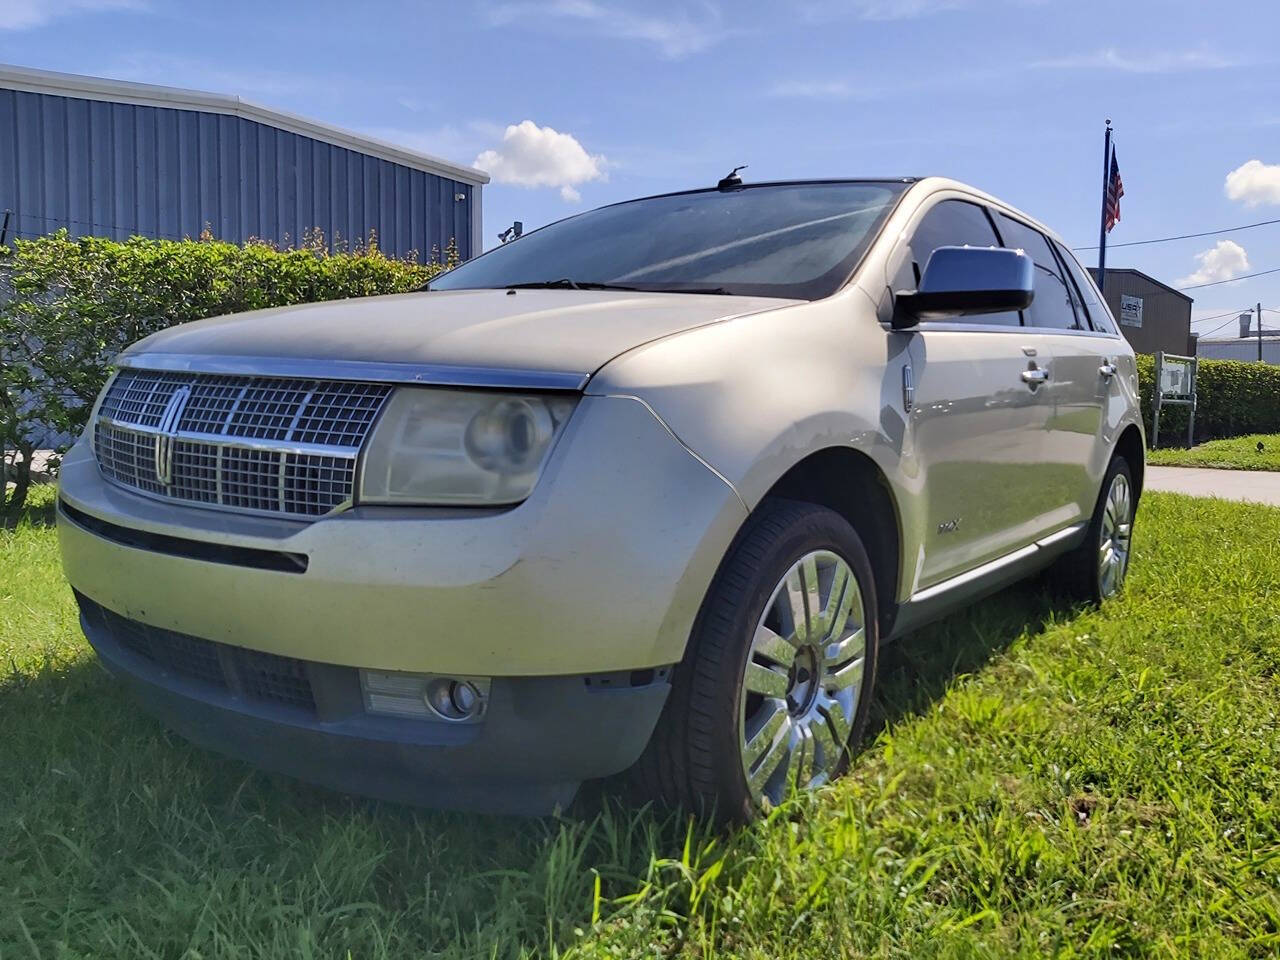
(955, 223)
(1052, 306)
(1098, 315)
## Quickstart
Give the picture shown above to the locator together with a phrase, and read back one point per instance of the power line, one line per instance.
(1218, 316)
(1230, 313)
(1207, 333)
(1185, 236)
(136, 229)
(1243, 276)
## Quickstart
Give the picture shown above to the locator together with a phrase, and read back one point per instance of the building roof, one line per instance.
(145, 94)
(1151, 279)
(1268, 336)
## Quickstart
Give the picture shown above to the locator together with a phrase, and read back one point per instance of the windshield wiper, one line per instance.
(566, 283)
(716, 291)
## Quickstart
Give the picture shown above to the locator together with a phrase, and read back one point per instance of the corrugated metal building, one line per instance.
(1247, 346)
(1152, 315)
(109, 158)
(1244, 350)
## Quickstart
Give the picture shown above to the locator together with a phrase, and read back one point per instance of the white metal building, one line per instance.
(1243, 347)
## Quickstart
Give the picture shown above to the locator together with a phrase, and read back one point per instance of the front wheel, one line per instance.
(774, 690)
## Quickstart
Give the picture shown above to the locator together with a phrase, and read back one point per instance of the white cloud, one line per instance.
(29, 14)
(1254, 183)
(850, 88)
(876, 9)
(689, 29)
(452, 141)
(534, 156)
(1137, 61)
(865, 89)
(211, 74)
(1224, 260)
(824, 90)
(825, 10)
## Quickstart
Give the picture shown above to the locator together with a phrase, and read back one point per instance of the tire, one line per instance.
(1082, 574)
(717, 735)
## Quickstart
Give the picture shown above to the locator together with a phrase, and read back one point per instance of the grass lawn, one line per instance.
(1042, 781)
(1238, 453)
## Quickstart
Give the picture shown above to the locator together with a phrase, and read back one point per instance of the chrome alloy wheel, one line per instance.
(803, 678)
(1117, 530)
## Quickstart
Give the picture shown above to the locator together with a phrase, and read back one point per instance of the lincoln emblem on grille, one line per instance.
(168, 430)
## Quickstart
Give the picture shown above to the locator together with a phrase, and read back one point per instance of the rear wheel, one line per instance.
(1096, 570)
(775, 688)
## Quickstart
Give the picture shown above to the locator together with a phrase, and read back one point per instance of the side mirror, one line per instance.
(963, 281)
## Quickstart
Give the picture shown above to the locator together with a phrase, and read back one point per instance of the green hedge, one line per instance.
(1234, 398)
(68, 306)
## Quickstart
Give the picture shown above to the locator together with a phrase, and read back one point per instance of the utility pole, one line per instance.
(1259, 332)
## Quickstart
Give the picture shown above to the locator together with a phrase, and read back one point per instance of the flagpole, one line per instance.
(1102, 228)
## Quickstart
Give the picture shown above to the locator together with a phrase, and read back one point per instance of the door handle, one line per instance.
(1107, 370)
(1035, 376)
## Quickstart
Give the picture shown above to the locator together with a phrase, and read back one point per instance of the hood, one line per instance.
(540, 331)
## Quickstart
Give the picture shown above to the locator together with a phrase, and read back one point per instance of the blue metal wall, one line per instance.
(118, 169)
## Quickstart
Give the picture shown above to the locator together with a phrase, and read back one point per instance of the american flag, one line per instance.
(1115, 190)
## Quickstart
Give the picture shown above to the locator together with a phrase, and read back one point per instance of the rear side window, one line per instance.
(956, 223)
(1098, 316)
(1052, 306)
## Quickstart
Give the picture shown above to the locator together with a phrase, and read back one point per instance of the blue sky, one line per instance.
(574, 103)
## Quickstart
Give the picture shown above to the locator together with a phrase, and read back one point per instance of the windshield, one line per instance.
(786, 240)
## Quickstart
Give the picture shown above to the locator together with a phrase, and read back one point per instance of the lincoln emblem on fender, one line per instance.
(168, 429)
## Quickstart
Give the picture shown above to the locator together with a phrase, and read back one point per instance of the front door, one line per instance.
(976, 431)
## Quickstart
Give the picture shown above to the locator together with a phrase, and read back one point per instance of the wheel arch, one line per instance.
(853, 485)
(1130, 446)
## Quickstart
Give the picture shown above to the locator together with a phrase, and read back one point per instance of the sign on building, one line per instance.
(1130, 310)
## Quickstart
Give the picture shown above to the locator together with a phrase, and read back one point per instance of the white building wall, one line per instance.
(1245, 350)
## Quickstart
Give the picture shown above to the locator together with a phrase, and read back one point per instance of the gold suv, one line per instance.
(647, 488)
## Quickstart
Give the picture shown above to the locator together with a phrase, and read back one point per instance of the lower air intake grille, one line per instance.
(257, 676)
(267, 676)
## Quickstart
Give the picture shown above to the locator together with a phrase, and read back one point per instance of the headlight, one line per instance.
(434, 446)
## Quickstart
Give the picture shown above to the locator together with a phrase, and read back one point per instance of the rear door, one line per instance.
(1073, 389)
(975, 437)
(1088, 417)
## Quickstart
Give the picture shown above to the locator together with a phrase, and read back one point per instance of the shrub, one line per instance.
(1233, 398)
(68, 306)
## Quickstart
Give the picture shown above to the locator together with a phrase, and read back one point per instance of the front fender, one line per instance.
(755, 396)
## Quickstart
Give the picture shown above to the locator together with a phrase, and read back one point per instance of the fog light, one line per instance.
(425, 696)
(465, 697)
(453, 699)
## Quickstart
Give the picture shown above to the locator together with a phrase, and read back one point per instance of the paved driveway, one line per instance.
(1258, 485)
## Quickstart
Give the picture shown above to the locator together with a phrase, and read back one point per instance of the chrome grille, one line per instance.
(256, 444)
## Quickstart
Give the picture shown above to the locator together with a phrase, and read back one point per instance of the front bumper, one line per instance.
(601, 571)
(540, 737)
